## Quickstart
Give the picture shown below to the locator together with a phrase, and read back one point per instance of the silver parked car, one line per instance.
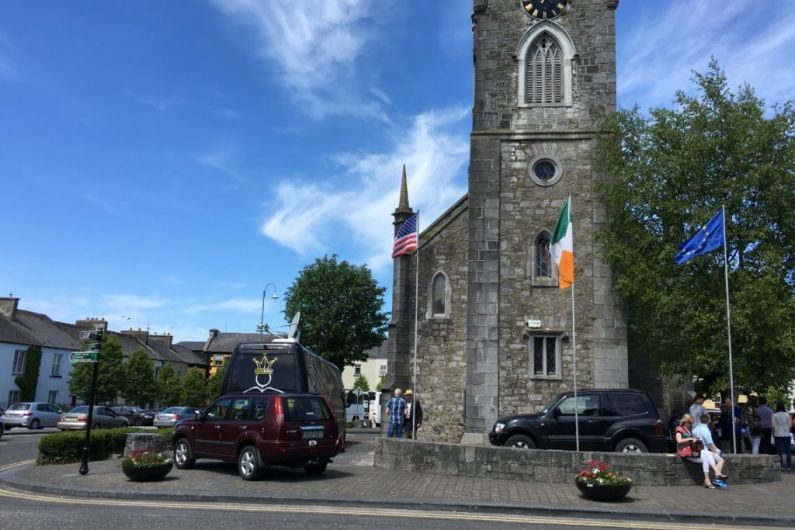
(32, 415)
(170, 416)
(77, 418)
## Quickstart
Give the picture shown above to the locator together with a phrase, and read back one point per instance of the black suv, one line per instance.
(609, 420)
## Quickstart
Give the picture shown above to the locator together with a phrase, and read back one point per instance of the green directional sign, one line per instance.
(90, 356)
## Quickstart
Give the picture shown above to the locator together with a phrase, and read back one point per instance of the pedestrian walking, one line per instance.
(753, 423)
(766, 423)
(413, 414)
(397, 414)
(781, 434)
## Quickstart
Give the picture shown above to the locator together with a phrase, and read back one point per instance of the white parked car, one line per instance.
(31, 415)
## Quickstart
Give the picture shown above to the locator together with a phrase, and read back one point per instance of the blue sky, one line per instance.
(161, 162)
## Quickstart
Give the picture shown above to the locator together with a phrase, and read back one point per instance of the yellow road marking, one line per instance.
(365, 512)
(15, 464)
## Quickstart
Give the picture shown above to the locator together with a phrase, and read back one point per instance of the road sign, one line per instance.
(90, 356)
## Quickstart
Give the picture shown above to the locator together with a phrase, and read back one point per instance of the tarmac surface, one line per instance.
(353, 481)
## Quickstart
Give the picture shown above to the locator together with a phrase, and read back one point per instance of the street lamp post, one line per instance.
(261, 327)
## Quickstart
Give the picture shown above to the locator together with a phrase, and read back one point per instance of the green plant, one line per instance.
(600, 474)
(139, 379)
(361, 383)
(29, 379)
(147, 459)
(66, 447)
(169, 386)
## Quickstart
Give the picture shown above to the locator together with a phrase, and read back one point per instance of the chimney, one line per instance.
(164, 339)
(213, 333)
(8, 307)
(93, 324)
(140, 335)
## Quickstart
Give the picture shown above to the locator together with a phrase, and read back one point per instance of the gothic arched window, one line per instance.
(439, 295)
(542, 268)
(544, 72)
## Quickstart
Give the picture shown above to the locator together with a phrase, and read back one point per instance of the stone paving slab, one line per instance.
(345, 482)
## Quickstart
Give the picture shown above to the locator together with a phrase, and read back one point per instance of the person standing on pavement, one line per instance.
(397, 415)
(413, 415)
(697, 410)
(781, 434)
(752, 421)
(373, 413)
(766, 423)
(727, 426)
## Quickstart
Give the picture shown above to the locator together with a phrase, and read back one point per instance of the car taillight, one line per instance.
(658, 427)
(61, 418)
(82, 418)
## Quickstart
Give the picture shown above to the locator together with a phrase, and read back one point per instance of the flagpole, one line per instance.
(413, 413)
(729, 330)
(574, 345)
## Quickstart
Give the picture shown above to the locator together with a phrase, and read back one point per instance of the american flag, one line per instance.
(406, 238)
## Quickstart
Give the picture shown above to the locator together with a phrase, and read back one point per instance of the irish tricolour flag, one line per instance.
(563, 247)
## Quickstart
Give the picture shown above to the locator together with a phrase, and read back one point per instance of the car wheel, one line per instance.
(520, 441)
(631, 446)
(248, 463)
(316, 469)
(2, 430)
(34, 425)
(183, 454)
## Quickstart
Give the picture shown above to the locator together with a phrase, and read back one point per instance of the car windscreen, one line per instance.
(171, 410)
(305, 409)
(19, 406)
(77, 410)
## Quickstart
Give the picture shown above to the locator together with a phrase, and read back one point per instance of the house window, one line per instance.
(14, 396)
(218, 360)
(56, 365)
(545, 356)
(52, 397)
(543, 258)
(382, 370)
(19, 362)
(439, 296)
(544, 72)
(357, 370)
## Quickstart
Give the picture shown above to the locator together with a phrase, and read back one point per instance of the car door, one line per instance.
(562, 429)
(53, 415)
(207, 441)
(238, 421)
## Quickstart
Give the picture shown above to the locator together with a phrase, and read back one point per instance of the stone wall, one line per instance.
(560, 466)
(442, 360)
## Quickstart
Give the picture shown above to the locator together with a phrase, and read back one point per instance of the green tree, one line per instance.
(169, 386)
(673, 169)
(340, 307)
(110, 375)
(361, 382)
(194, 392)
(29, 379)
(215, 381)
(381, 383)
(140, 386)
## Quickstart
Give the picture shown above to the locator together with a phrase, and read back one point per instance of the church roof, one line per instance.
(460, 206)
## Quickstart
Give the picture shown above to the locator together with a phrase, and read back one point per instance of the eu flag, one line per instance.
(710, 237)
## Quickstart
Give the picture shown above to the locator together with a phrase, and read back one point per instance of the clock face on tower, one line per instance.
(544, 9)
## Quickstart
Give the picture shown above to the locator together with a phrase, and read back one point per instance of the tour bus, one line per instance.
(283, 365)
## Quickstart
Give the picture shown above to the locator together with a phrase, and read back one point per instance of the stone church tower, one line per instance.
(494, 329)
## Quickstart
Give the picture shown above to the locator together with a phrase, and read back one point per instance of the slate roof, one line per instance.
(188, 355)
(226, 342)
(193, 345)
(43, 331)
(10, 333)
(379, 352)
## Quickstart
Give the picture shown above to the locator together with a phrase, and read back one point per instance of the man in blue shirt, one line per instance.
(710, 455)
(397, 415)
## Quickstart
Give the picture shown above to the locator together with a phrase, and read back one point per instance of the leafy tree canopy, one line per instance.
(361, 383)
(674, 168)
(194, 393)
(215, 381)
(140, 386)
(110, 375)
(169, 386)
(340, 307)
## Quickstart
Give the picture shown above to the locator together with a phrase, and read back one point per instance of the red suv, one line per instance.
(255, 430)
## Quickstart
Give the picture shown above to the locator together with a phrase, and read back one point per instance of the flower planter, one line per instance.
(602, 492)
(146, 473)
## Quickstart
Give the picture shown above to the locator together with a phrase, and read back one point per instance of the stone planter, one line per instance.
(148, 473)
(604, 492)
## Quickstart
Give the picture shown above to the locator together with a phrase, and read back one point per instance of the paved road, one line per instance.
(20, 444)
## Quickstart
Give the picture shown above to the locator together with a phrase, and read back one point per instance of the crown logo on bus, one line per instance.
(264, 365)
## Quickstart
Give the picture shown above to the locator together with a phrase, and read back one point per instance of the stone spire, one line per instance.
(403, 206)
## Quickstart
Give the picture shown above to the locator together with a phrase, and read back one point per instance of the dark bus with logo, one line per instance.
(279, 365)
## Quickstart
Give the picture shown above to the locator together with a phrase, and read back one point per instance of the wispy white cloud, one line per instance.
(100, 203)
(315, 47)
(321, 216)
(221, 159)
(238, 305)
(6, 70)
(657, 56)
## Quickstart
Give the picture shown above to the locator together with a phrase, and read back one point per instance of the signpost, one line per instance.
(89, 356)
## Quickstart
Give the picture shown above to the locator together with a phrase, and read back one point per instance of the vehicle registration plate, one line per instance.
(309, 435)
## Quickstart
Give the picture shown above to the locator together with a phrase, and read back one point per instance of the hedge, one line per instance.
(67, 447)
